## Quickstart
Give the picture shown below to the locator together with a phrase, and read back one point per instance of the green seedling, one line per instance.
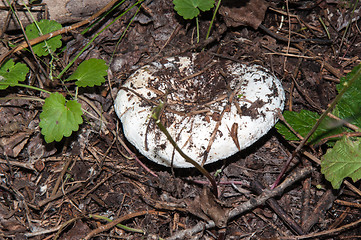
(343, 159)
(59, 117)
(190, 9)
(61, 113)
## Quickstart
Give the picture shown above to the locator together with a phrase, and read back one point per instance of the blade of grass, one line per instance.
(121, 226)
(96, 35)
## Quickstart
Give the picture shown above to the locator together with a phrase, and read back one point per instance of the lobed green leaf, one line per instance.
(189, 9)
(11, 73)
(60, 117)
(89, 73)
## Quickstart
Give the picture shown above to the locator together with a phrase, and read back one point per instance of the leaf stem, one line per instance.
(156, 113)
(129, 229)
(25, 86)
(214, 16)
(197, 24)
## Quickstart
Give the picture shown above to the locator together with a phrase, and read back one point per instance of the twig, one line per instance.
(325, 233)
(155, 115)
(261, 199)
(345, 203)
(326, 65)
(283, 39)
(42, 232)
(112, 224)
(19, 164)
(322, 206)
(352, 187)
(34, 41)
(258, 188)
(133, 155)
(59, 194)
(322, 117)
(246, 206)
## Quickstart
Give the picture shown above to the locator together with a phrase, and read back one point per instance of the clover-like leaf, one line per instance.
(46, 26)
(342, 161)
(189, 9)
(89, 73)
(60, 117)
(11, 73)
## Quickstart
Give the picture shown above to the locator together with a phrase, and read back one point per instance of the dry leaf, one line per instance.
(243, 13)
(234, 135)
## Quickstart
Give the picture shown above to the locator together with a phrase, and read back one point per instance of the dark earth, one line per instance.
(86, 185)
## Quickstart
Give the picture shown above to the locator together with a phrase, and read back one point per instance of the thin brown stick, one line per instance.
(349, 204)
(326, 65)
(19, 164)
(258, 188)
(317, 124)
(322, 206)
(325, 233)
(34, 41)
(112, 224)
(246, 206)
(59, 194)
(343, 122)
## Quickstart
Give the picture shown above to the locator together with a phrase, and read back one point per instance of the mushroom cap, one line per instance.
(214, 108)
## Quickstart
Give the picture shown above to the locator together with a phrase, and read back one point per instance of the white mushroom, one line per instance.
(214, 108)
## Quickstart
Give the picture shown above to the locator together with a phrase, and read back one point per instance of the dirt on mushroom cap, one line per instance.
(214, 108)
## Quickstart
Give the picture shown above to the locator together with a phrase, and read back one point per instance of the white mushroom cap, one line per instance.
(197, 91)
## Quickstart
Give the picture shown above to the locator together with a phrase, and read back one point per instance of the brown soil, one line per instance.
(60, 190)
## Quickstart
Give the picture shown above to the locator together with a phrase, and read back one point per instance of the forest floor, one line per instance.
(68, 189)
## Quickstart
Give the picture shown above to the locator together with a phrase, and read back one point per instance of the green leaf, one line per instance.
(303, 122)
(59, 117)
(46, 26)
(89, 73)
(349, 106)
(342, 161)
(11, 73)
(189, 9)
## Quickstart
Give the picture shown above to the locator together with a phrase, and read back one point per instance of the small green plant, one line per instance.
(60, 116)
(61, 113)
(190, 9)
(343, 159)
